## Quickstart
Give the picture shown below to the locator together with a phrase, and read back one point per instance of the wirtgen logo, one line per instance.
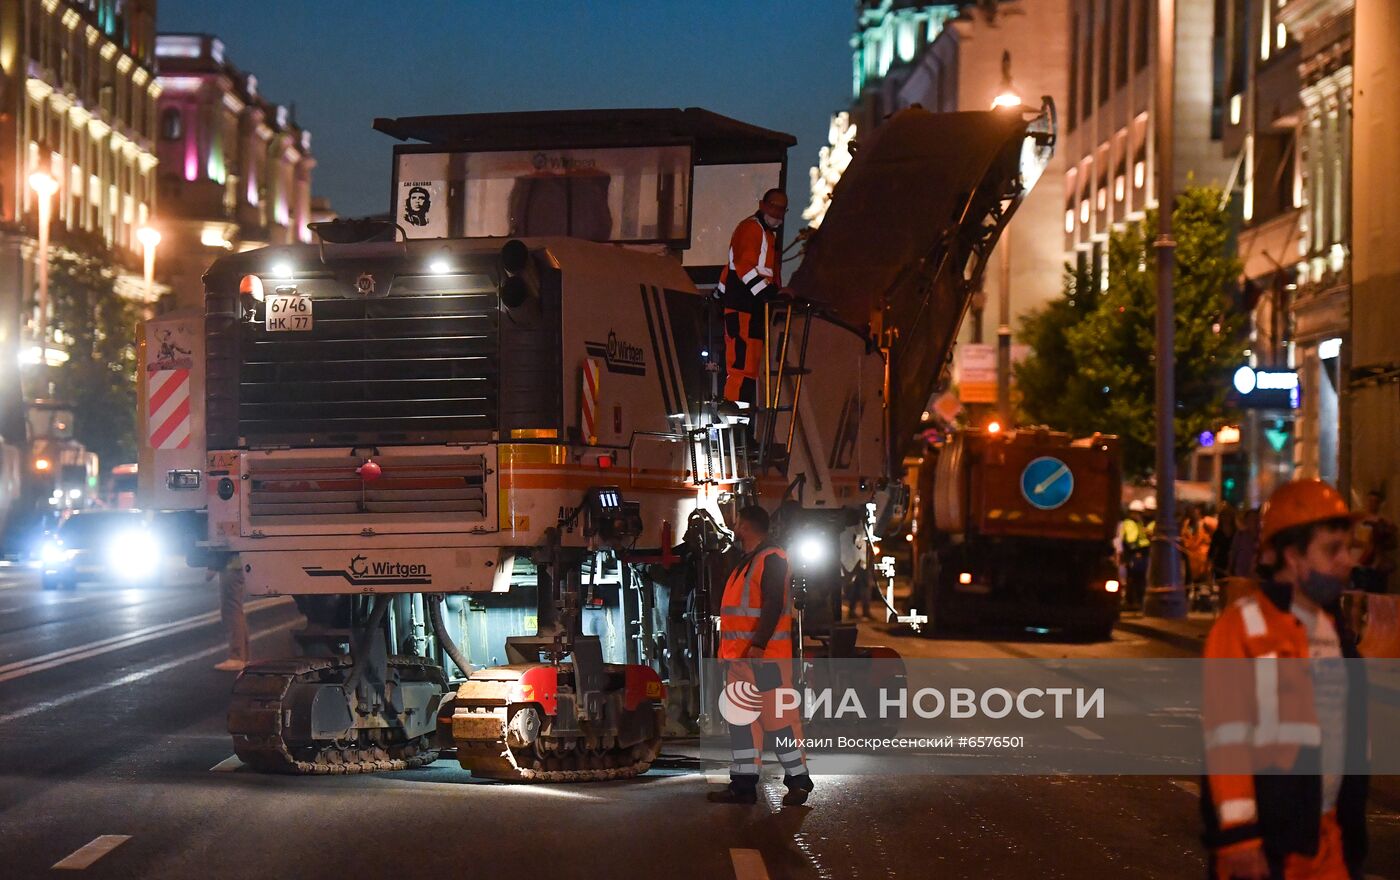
(740, 703)
(363, 572)
(620, 356)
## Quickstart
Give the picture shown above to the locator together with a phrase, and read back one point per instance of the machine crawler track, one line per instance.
(479, 733)
(256, 718)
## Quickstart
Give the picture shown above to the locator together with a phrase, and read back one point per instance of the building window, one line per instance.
(1120, 72)
(1105, 50)
(1088, 81)
(1073, 71)
(172, 124)
(1144, 29)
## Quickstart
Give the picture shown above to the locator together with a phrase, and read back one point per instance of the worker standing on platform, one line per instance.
(1287, 741)
(749, 280)
(756, 632)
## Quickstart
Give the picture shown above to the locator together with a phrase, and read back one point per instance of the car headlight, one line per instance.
(134, 554)
(54, 553)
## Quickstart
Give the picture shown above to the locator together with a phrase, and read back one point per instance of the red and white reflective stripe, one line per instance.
(591, 380)
(1237, 811)
(168, 421)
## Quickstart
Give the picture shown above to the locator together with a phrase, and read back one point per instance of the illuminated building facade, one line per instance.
(235, 168)
(77, 102)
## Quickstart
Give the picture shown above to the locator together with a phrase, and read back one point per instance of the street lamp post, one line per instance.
(1010, 100)
(149, 238)
(1165, 594)
(44, 186)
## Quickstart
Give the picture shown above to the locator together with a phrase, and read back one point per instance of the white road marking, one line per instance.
(116, 643)
(1082, 732)
(84, 856)
(227, 765)
(132, 677)
(748, 864)
(1187, 786)
(961, 667)
(466, 787)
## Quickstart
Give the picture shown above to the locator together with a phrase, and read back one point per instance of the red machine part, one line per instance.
(643, 685)
(538, 684)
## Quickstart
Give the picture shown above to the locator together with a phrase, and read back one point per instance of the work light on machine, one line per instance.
(811, 548)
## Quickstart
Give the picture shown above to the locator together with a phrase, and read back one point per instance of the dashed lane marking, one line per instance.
(133, 677)
(116, 643)
(227, 765)
(1187, 786)
(84, 856)
(1082, 732)
(748, 864)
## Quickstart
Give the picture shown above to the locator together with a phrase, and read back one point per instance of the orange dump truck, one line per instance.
(1017, 528)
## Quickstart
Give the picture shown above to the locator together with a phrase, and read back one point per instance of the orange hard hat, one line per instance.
(1300, 503)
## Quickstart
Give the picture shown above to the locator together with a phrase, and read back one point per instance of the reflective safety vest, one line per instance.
(753, 268)
(1258, 713)
(743, 604)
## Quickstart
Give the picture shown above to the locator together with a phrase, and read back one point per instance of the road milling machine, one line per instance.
(482, 441)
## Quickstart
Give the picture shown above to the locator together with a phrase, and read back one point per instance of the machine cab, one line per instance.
(670, 180)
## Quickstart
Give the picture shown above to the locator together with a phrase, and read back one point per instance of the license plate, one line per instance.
(288, 313)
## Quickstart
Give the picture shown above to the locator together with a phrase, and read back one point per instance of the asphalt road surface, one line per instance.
(114, 762)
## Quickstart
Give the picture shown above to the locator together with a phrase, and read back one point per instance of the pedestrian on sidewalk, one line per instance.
(1287, 743)
(1375, 543)
(1244, 547)
(1226, 527)
(1136, 540)
(1195, 543)
(231, 592)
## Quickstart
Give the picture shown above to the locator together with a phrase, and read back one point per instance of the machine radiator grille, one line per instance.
(408, 369)
(409, 488)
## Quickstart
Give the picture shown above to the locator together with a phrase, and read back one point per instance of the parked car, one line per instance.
(119, 546)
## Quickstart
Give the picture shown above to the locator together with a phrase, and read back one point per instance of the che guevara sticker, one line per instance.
(420, 205)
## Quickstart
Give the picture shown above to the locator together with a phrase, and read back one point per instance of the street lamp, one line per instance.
(149, 237)
(1007, 99)
(44, 186)
(1165, 595)
(1007, 96)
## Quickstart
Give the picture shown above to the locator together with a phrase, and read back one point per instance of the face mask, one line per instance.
(1324, 589)
(771, 223)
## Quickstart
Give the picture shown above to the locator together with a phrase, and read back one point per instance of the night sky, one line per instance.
(782, 64)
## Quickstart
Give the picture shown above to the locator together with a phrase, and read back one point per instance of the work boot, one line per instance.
(798, 787)
(732, 794)
(232, 664)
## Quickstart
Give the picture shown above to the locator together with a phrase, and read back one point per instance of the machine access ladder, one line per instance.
(791, 322)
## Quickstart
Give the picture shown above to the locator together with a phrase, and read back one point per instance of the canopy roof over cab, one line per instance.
(718, 140)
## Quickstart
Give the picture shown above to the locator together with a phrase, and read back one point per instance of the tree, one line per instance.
(1115, 344)
(98, 328)
(1053, 389)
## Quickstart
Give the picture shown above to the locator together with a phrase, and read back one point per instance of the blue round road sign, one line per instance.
(1047, 482)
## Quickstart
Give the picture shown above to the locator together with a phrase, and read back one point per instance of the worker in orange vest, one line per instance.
(750, 279)
(1286, 741)
(756, 632)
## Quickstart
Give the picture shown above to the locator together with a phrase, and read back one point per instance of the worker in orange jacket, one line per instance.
(748, 281)
(1286, 741)
(755, 638)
